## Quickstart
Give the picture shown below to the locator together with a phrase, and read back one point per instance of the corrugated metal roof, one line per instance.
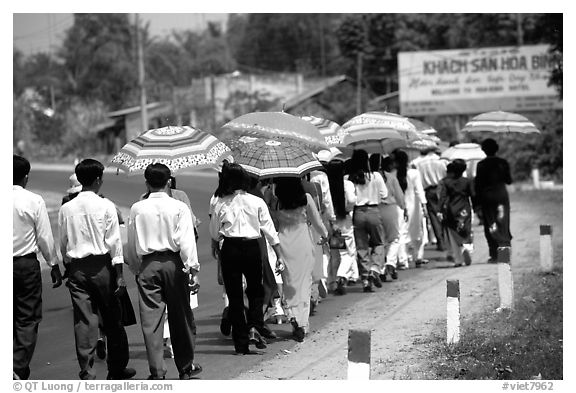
(134, 109)
(299, 98)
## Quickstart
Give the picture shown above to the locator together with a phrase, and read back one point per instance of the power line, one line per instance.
(43, 31)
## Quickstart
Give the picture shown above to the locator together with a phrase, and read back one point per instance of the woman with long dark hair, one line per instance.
(343, 192)
(368, 228)
(393, 212)
(294, 211)
(456, 212)
(412, 229)
(238, 220)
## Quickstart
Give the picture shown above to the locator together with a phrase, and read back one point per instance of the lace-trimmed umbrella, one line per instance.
(178, 147)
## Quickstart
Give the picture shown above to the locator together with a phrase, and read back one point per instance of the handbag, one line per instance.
(337, 241)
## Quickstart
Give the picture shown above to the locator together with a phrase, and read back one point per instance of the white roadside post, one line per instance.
(505, 281)
(452, 311)
(359, 354)
(546, 252)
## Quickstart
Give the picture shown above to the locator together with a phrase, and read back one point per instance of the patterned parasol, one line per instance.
(378, 132)
(279, 126)
(272, 158)
(178, 147)
(333, 133)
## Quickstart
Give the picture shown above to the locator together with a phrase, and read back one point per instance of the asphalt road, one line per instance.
(55, 356)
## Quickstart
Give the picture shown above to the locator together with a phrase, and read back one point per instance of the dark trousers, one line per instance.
(27, 311)
(242, 257)
(433, 207)
(496, 225)
(92, 282)
(162, 284)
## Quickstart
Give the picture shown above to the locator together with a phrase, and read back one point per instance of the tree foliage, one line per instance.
(99, 58)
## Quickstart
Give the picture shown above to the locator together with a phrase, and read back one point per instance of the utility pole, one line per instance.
(52, 96)
(143, 109)
(322, 45)
(519, 30)
(359, 83)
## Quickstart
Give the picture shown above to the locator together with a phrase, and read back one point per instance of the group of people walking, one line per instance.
(281, 245)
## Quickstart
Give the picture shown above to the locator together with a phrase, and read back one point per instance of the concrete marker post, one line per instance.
(452, 311)
(546, 251)
(505, 281)
(358, 354)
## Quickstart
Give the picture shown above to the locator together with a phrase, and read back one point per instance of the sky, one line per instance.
(34, 32)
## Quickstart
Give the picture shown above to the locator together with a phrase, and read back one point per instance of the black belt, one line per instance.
(28, 256)
(161, 253)
(240, 239)
(359, 206)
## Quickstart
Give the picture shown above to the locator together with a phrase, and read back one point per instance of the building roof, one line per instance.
(299, 98)
(135, 109)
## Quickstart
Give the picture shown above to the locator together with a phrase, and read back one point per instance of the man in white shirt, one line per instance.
(161, 250)
(432, 170)
(91, 246)
(31, 234)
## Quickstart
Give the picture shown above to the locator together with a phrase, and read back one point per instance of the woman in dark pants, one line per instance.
(238, 220)
(492, 176)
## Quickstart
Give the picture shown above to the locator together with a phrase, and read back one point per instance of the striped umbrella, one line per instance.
(464, 151)
(331, 131)
(272, 126)
(273, 158)
(378, 132)
(501, 122)
(178, 147)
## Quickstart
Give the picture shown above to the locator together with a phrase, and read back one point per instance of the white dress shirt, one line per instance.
(160, 223)
(432, 170)
(322, 179)
(88, 225)
(242, 215)
(373, 192)
(31, 226)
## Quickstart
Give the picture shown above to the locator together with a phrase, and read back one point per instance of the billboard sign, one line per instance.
(470, 81)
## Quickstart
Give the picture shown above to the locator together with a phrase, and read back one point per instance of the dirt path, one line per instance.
(403, 312)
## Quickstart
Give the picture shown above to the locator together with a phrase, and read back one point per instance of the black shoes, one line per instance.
(191, 371)
(391, 270)
(256, 339)
(341, 288)
(153, 378)
(267, 333)
(467, 258)
(127, 373)
(101, 348)
(367, 286)
(298, 332)
(225, 324)
(376, 279)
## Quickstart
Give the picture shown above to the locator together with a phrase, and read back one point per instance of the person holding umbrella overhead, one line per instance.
(238, 220)
(492, 176)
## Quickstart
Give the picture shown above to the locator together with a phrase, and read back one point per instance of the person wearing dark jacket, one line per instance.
(492, 176)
